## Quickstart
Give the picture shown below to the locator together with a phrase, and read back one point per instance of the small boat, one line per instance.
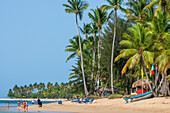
(138, 97)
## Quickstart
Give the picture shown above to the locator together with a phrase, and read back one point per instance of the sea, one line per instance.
(13, 107)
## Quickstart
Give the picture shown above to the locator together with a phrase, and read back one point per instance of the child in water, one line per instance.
(8, 105)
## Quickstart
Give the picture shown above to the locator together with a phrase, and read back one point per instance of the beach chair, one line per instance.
(59, 102)
(73, 99)
(85, 101)
(76, 100)
(91, 101)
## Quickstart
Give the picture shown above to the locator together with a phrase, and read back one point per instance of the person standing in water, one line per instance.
(26, 104)
(18, 104)
(8, 105)
(23, 106)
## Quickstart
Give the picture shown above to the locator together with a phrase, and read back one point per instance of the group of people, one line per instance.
(23, 106)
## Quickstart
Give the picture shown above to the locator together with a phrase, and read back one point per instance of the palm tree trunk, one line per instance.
(153, 92)
(81, 59)
(99, 56)
(156, 79)
(114, 36)
(166, 90)
(160, 84)
(98, 72)
(94, 55)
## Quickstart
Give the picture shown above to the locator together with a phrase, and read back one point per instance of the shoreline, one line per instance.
(29, 99)
(153, 105)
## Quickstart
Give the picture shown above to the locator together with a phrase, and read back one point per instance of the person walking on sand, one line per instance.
(38, 102)
(8, 105)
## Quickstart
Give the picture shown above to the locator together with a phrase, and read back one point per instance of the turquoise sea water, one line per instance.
(3, 103)
(14, 110)
(13, 107)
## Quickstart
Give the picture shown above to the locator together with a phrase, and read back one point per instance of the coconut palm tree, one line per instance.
(85, 30)
(136, 13)
(49, 85)
(16, 89)
(159, 27)
(162, 4)
(77, 7)
(30, 88)
(93, 30)
(164, 64)
(73, 47)
(35, 85)
(99, 17)
(137, 49)
(113, 5)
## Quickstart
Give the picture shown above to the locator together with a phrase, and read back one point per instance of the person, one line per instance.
(8, 105)
(38, 102)
(23, 105)
(81, 99)
(18, 103)
(26, 104)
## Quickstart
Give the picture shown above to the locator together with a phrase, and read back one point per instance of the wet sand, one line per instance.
(153, 105)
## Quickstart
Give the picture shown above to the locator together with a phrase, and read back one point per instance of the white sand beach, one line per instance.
(153, 105)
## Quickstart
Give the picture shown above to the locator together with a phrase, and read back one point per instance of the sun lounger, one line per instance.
(91, 100)
(86, 100)
(76, 100)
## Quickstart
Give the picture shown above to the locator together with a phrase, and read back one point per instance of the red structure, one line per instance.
(139, 91)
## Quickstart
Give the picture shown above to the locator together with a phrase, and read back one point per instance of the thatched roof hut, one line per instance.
(142, 83)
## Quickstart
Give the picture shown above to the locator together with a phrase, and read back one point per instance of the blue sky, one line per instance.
(33, 36)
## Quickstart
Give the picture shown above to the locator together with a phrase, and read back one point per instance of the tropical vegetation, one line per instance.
(113, 51)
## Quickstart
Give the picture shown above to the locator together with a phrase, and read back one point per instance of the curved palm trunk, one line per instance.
(94, 55)
(114, 36)
(156, 79)
(160, 84)
(143, 63)
(166, 88)
(81, 59)
(99, 56)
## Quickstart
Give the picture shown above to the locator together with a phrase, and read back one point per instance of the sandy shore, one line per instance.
(153, 105)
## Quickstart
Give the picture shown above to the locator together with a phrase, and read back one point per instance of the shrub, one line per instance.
(113, 96)
(95, 97)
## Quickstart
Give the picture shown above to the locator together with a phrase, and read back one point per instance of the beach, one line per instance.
(153, 105)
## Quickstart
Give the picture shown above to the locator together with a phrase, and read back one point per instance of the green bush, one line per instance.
(95, 97)
(113, 96)
(79, 95)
